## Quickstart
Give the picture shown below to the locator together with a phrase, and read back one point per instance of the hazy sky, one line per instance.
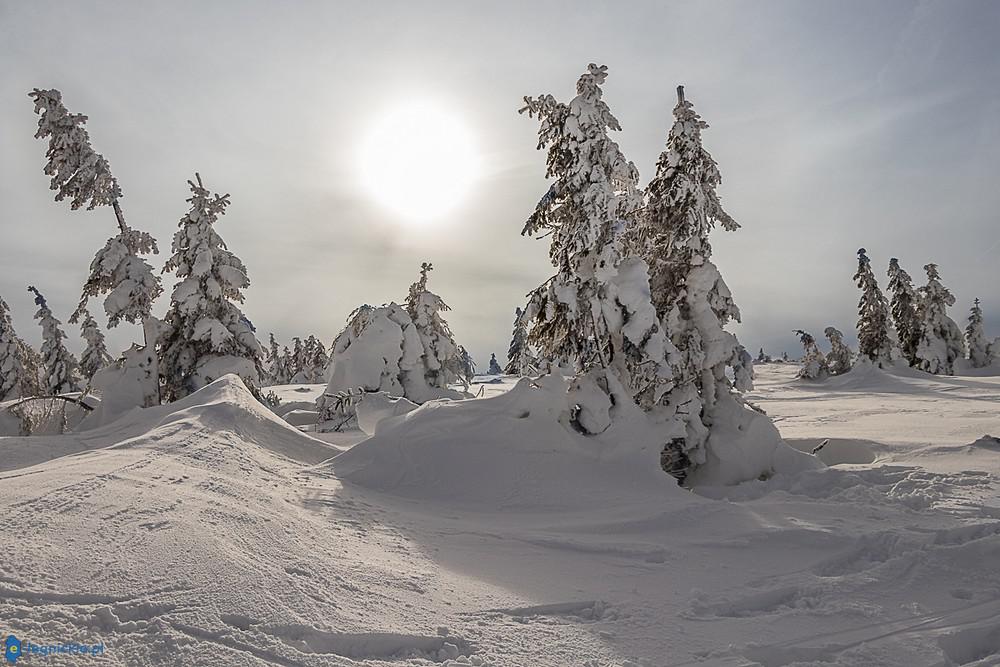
(836, 125)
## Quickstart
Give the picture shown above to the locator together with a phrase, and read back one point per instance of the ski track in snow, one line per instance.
(208, 536)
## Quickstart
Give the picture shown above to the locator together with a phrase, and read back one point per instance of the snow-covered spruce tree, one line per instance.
(903, 306)
(95, 355)
(494, 366)
(298, 359)
(688, 291)
(310, 360)
(271, 360)
(443, 364)
(205, 334)
(840, 358)
(468, 365)
(940, 338)
(519, 359)
(874, 340)
(60, 369)
(814, 366)
(18, 362)
(975, 338)
(595, 312)
(84, 176)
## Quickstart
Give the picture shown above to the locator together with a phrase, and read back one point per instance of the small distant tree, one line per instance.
(442, 361)
(840, 358)
(763, 358)
(205, 334)
(975, 338)
(903, 305)
(874, 341)
(468, 365)
(60, 369)
(519, 360)
(95, 355)
(494, 366)
(18, 362)
(940, 338)
(814, 366)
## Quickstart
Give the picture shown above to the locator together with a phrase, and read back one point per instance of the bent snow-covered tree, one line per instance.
(18, 362)
(814, 366)
(874, 339)
(95, 355)
(205, 334)
(840, 358)
(940, 338)
(60, 369)
(903, 306)
(975, 338)
(595, 312)
(118, 269)
(688, 291)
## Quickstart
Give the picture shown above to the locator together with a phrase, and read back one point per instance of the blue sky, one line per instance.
(835, 125)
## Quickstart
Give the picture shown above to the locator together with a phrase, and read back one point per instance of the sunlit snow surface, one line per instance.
(210, 532)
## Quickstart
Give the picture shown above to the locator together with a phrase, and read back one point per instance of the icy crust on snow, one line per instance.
(520, 449)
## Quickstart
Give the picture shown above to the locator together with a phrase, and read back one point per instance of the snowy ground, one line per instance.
(211, 533)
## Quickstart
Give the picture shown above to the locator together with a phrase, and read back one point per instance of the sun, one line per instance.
(419, 160)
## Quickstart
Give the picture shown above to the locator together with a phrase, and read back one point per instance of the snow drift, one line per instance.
(519, 450)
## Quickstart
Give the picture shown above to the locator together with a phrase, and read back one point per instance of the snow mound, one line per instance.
(517, 450)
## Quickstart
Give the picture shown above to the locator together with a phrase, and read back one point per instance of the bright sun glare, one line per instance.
(419, 160)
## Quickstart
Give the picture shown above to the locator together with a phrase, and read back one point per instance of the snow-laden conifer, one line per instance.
(95, 355)
(519, 359)
(443, 364)
(814, 366)
(205, 334)
(840, 359)
(118, 270)
(874, 340)
(903, 306)
(690, 295)
(78, 172)
(975, 338)
(468, 365)
(494, 366)
(595, 313)
(60, 371)
(940, 338)
(18, 362)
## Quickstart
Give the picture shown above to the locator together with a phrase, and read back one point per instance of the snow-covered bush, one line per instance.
(205, 335)
(874, 340)
(18, 362)
(381, 350)
(60, 369)
(940, 338)
(95, 355)
(840, 359)
(975, 338)
(814, 366)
